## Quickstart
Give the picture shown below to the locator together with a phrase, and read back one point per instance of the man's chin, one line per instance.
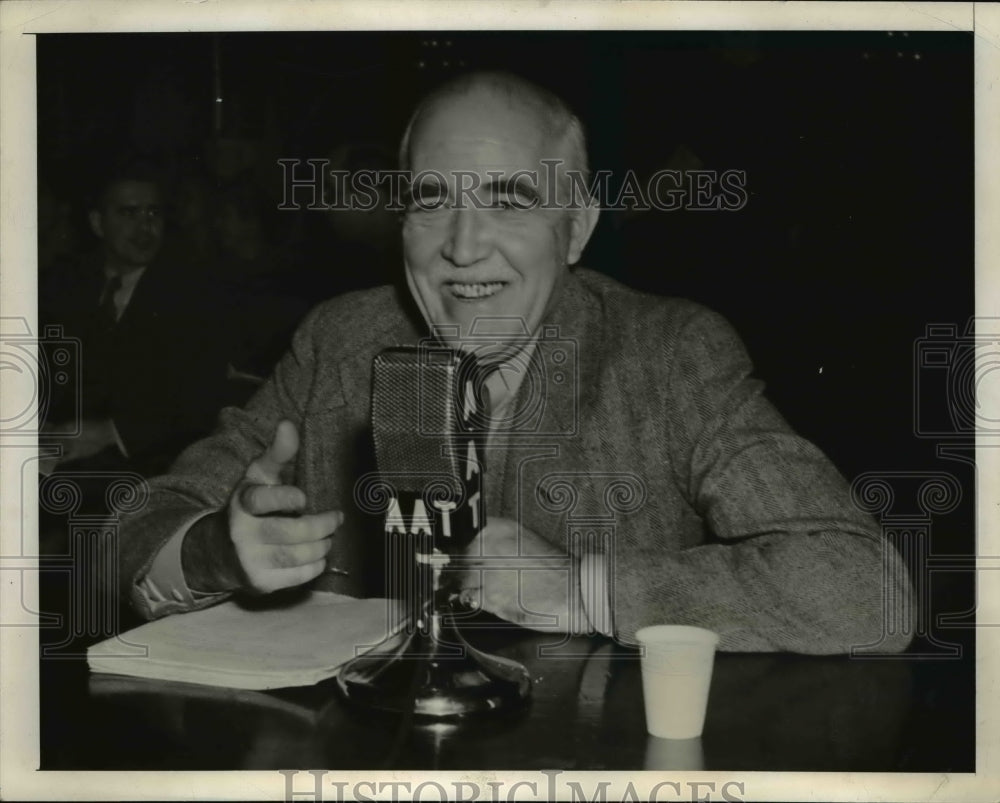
(486, 330)
(489, 348)
(489, 322)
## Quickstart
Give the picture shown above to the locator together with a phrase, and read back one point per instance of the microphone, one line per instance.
(430, 417)
(430, 414)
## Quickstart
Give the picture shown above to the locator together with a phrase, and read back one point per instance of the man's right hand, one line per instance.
(276, 544)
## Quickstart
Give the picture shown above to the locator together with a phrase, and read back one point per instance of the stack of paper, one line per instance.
(237, 646)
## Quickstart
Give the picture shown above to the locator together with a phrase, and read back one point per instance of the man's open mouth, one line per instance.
(475, 290)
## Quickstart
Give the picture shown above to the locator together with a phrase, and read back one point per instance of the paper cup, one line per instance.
(674, 754)
(676, 675)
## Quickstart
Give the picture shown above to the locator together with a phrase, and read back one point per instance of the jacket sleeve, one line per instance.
(203, 477)
(789, 563)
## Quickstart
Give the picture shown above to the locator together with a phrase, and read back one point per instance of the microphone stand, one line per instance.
(428, 669)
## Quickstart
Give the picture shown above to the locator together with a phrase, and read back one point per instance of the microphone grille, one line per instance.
(415, 404)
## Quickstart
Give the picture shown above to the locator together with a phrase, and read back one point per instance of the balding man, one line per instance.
(734, 523)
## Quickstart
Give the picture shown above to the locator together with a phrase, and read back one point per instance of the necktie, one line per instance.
(109, 313)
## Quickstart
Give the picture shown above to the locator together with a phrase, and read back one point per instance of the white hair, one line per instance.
(561, 125)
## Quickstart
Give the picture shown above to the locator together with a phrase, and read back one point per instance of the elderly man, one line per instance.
(730, 521)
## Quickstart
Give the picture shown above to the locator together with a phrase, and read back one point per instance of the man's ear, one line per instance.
(95, 223)
(582, 222)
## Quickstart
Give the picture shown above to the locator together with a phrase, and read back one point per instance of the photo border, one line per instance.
(20, 20)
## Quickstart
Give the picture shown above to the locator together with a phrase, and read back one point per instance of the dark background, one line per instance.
(857, 146)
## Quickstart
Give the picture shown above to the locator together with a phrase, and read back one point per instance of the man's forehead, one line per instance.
(133, 193)
(489, 132)
(491, 160)
(480, 161)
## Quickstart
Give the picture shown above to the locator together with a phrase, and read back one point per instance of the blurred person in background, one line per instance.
(154, 346)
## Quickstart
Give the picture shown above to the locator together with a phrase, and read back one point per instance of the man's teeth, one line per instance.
(475, 290)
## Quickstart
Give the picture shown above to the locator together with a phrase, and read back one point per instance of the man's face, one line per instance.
(498, 262)
(130, 222)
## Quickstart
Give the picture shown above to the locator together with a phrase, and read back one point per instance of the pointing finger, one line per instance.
(286, 556)
(261, 500)
(301, 529)
(291, 576)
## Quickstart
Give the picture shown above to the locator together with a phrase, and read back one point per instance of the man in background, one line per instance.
(154, 340)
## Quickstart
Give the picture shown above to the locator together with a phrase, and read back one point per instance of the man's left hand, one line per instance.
(539, 594)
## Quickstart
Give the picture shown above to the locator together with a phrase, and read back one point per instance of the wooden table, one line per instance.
(766, 712)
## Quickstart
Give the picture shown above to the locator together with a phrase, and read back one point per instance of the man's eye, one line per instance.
(425, 198)
(426, 202)
(134, 212)
(515, 202)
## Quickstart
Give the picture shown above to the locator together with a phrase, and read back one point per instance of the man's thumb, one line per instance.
(266, 469)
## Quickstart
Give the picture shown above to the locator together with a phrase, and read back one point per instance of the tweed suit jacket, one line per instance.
(637, 431)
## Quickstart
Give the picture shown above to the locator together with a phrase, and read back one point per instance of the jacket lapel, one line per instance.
(549, 459)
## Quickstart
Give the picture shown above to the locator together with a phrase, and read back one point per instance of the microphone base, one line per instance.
(432, 672)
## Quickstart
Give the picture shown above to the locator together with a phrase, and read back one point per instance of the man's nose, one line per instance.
(469, 239)
(147, 223)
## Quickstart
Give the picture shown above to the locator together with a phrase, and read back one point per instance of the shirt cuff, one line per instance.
(595, 584)
(164, 588)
